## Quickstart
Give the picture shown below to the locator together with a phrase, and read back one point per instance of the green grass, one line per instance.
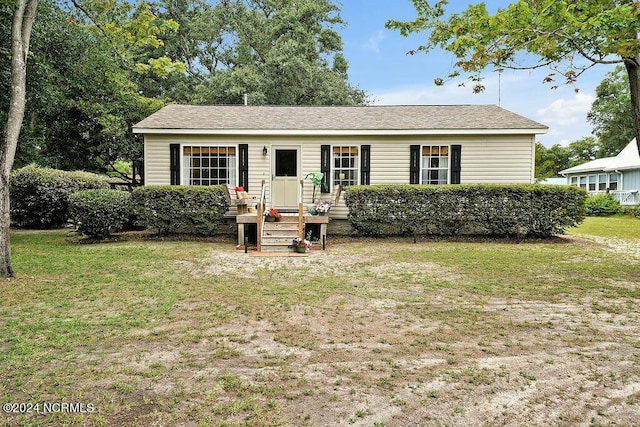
(179, 332)
(620, 227)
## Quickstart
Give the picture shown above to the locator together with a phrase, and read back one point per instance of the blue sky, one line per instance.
(379, 64)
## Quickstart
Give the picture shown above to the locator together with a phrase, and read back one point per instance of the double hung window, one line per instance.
(345, 165)
(435, 164)
(206, 165)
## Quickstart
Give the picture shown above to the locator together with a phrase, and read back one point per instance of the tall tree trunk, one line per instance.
(23, 18)
(633, 71)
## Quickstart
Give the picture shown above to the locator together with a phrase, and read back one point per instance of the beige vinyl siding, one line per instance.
(493, 160)
(503, 159)
(156, 160)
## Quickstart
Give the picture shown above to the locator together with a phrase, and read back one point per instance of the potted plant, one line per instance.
(272, 215)
(301, 245)
(322, 208)
(316, 179)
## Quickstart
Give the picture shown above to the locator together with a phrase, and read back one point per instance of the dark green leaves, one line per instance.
(503, 210)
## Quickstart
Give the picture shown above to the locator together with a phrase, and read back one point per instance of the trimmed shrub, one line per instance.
(502, 210)
(631, 210)
(180, 209)
(602, 205)
(89, 181)
(96, 213)
(39, 196)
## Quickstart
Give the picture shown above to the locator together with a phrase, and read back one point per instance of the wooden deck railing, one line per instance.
(301, 210)
(260, 213)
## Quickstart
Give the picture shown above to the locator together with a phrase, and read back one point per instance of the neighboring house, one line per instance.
(619, 175)
(244, 145)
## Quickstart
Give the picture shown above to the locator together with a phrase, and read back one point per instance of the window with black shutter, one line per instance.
(325, 167)
(174, 164)
(365, 167)
(456, 167)
(243, 166)
(414, 165)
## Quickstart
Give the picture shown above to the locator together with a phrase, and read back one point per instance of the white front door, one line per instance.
(285, 177)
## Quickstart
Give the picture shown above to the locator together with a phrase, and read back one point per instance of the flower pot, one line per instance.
(322, 213)
(300, 249)
(270, 219)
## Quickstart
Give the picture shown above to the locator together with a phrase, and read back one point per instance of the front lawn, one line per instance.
(372, 332)
(622, 227)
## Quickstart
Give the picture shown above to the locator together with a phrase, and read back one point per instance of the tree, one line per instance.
(80, 102)
(550, 161)
(127, 33)
(568, 36)
(277, 52)
(583, 150)
(83, 97)
(610, 113)
(128, 39)
(24, 15)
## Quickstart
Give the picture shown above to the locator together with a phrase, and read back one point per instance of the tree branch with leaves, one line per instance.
(567, 36)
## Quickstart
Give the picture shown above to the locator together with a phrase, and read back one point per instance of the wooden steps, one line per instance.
(277, 236)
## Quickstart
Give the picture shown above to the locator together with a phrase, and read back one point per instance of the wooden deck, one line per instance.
(252, 218)
(291, 226)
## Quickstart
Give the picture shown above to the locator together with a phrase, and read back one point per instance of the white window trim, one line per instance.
(358, 163)
(597, 182)
(422, 169)
(237, 162)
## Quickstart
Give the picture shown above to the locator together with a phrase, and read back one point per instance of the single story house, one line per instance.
(619, 175)
(351, 145)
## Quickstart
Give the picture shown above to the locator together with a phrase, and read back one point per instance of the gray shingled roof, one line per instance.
(309, 118)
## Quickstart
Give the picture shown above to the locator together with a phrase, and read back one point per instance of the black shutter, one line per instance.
(174, 163)
(456, 151)
(414, 166)
(243, 167)
(365, 168)
(325, 167)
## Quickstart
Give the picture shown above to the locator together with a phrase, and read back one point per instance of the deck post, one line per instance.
(300, 220)
(240, 233)
(301, 210)
(259, 219)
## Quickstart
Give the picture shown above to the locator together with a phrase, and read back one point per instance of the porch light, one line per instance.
(264, 151)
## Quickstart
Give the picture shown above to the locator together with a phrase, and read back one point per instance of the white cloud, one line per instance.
(429, 93)
(373, 44)
(566, 112)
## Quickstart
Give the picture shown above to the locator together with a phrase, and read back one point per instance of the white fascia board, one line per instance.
(348, 132)
(623, 168)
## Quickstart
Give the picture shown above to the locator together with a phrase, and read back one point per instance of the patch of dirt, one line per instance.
(423, 352)
(379, 357)
(371, 360)
(627, 247)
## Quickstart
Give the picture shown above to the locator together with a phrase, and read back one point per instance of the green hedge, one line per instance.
(631, 210)
(501, 210)
(96, 213)
(602, 205)
(39, 196)
(180, 209)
